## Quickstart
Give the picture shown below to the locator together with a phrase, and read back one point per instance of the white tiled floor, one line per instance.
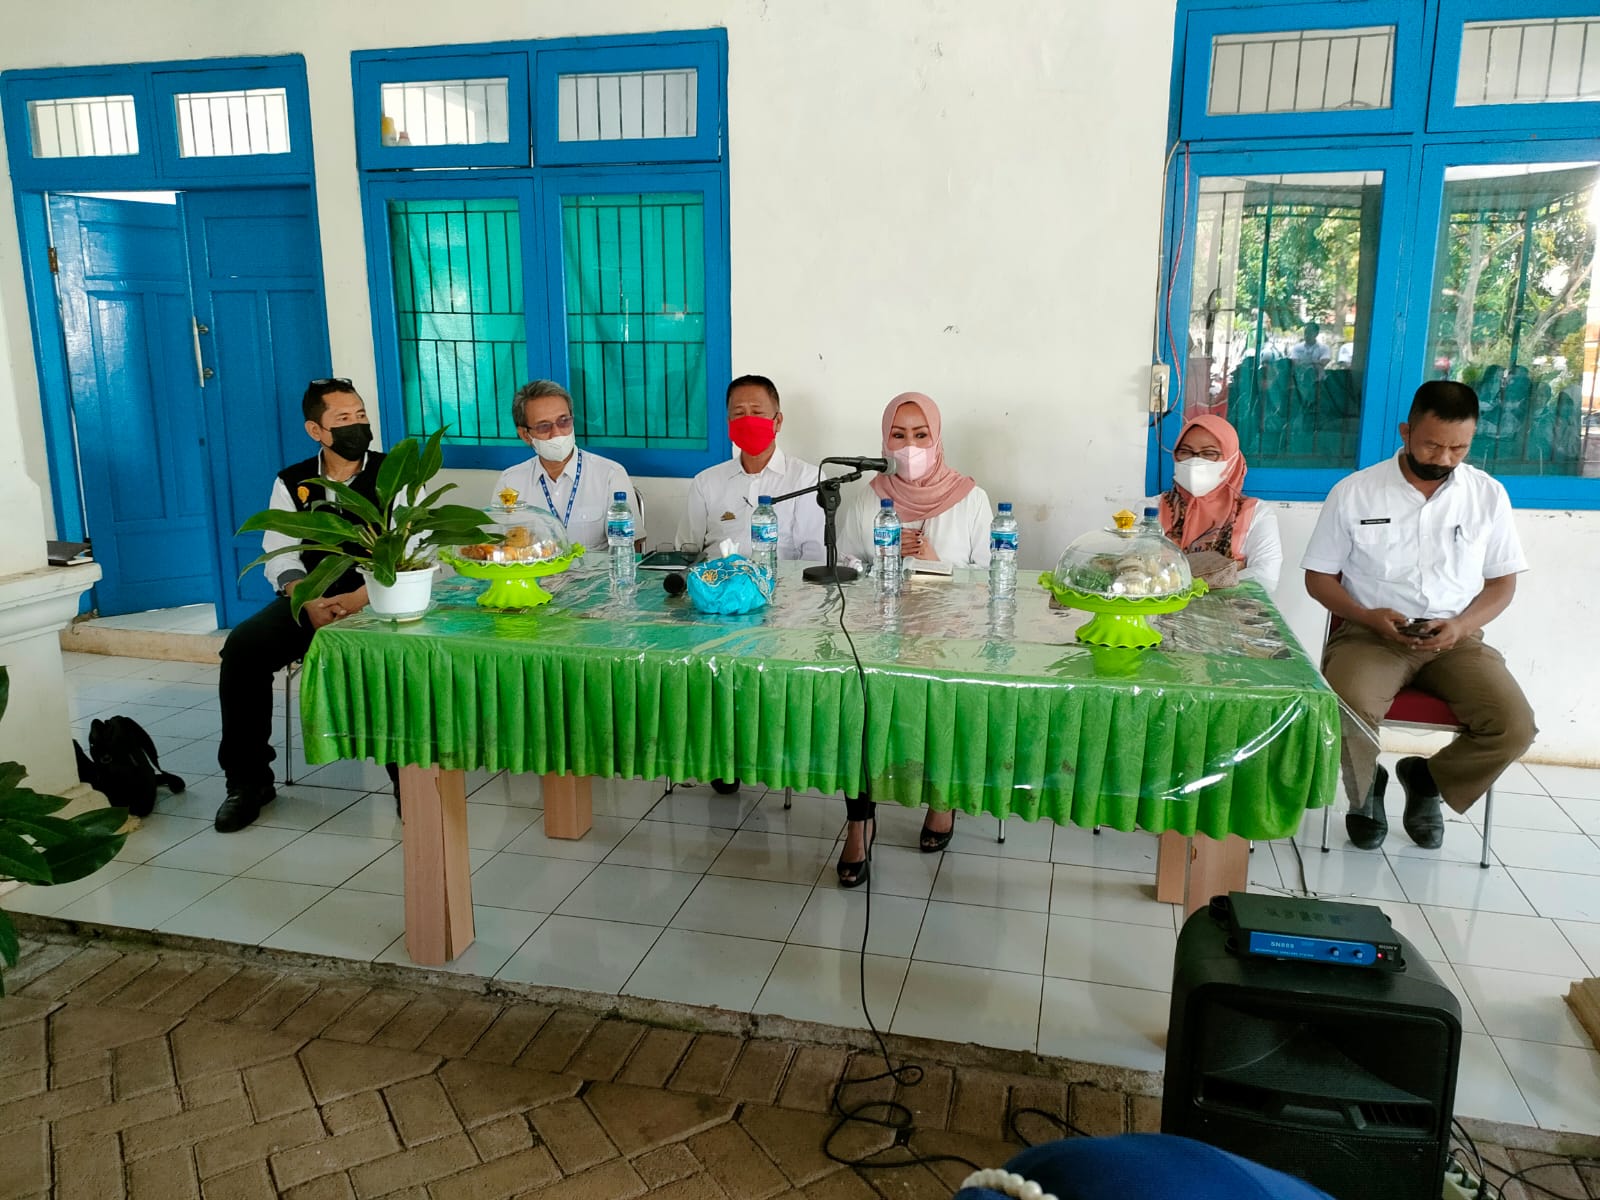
(1052, 941)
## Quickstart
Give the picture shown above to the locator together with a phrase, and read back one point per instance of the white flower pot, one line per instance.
(404, 600)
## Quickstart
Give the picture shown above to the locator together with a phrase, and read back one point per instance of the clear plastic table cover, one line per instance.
(1226, 727)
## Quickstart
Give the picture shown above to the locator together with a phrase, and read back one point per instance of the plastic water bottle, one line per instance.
(886, 544)
(1152, 520)
(619, 536)
(1003, 554)
(764, 537)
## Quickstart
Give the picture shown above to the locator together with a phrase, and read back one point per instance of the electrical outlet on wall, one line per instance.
(1160, 387)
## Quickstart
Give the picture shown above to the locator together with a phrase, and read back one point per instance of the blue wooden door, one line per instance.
(257, 281)
(125, 314)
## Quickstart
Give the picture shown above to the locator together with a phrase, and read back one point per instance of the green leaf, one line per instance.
(10, 946)
(318, 581)
(21, 861)
(83, 857)
(5, 689)
(432, 457)
(99, 821)
(398, 470)
(45, 831)
(324, 527)
(352, 501)
(11, 774)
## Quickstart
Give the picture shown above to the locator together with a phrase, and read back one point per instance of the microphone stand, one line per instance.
(828, 496)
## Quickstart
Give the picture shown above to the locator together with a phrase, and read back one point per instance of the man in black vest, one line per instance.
(336, 419)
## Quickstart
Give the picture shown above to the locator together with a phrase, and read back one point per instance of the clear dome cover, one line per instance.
(1125, 560)
(531, 535)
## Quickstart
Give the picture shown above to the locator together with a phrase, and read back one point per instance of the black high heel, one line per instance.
(853, 874)
(931, 841)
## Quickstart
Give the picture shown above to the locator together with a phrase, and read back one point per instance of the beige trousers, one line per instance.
(1471, 677)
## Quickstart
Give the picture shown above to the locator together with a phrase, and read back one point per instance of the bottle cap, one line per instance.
(1151, 511)
(1005, 506)
(615, 496)
(764, 499)
(886, 503)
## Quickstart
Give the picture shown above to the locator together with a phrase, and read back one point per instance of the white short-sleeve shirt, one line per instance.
(1425, 557)
(959, 535)
(579, 496)
(721, 499)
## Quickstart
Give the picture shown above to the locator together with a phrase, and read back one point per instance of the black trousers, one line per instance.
(256, 649)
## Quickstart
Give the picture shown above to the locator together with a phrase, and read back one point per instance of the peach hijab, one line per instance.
(1220, 519)
(942, 488)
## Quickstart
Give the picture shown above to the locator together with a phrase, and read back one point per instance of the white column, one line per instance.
(36, 601)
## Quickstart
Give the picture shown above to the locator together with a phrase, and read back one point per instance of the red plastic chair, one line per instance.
(1423, 712)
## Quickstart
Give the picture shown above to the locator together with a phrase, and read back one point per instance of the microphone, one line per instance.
(883, 466)
(674, 583)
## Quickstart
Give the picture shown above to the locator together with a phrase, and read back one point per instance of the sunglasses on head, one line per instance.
(316, 383)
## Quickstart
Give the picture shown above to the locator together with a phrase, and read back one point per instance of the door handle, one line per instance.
(200, 369)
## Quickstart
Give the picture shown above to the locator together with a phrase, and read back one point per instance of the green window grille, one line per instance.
(463, 332)
(635, 276)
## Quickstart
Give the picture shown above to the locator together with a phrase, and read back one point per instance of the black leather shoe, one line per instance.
(724, 787)
(242, 806)
(852, 874)
(1368, 827)
(932, 841)
(1423, 820)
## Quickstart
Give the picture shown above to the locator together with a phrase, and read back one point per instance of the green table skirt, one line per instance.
(1192, 743)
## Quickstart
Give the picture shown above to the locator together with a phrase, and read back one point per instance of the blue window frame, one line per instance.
(501, 146)
(242, 122)
(1462, 182)
(620, 234)
(160, 161)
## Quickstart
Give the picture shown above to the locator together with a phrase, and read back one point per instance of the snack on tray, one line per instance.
(531, 535)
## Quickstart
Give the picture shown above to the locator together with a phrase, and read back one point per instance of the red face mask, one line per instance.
(753, 434)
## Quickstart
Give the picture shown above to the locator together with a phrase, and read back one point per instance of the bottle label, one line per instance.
(886, 537)
(766, 534)
(619, 527)
(1005, 539)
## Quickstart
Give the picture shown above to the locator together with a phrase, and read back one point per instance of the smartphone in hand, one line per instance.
(1417, 627)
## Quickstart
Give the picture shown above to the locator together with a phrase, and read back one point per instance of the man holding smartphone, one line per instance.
(1413, 557)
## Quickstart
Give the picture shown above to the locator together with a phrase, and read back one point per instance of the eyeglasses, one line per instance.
(545, 428)
(330, 383)
(1184, 454)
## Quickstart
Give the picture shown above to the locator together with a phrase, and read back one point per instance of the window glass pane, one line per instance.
(459, 316)
(1515, 314)
(83, 127)
(627, 105)
(1301, 70)
(1552, 60)
(216, 124)
(445, 112)
(636, 317)
(1282, 300)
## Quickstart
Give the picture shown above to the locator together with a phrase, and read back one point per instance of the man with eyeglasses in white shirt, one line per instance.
(575, 486)
(1414, 556)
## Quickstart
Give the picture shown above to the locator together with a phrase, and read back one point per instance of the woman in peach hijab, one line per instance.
(1229, 536)
(945, 517)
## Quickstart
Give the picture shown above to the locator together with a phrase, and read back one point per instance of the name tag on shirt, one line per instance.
(1375, 520)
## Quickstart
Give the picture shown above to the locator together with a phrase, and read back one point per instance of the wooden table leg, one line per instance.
(1172, 867)
(438, 874)
(1215, 868)
(568, 806)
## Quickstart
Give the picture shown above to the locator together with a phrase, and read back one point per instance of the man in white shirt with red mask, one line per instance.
(1415, 555)
(721, 498)
(575, 486)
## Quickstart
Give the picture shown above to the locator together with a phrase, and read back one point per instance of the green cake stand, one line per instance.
(1120, 621)
(513, 585)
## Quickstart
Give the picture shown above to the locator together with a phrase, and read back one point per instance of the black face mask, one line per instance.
(1427, 472)
(350, 442)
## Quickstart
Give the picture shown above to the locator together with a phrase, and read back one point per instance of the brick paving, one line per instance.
(176, 1075)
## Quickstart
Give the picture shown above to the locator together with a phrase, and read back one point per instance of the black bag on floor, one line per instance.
(122, 763)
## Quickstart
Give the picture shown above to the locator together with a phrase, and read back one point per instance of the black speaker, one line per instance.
(1343, 1076)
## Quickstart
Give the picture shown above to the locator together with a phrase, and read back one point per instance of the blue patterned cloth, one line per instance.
(729, 586)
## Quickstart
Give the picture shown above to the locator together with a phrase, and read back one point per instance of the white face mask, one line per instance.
(1198, 476)
(914, 461)
(555, 449)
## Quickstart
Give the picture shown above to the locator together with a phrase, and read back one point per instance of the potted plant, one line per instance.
(393, 542)
(38, 847)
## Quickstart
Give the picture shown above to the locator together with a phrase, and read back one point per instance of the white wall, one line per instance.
(955, 198)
